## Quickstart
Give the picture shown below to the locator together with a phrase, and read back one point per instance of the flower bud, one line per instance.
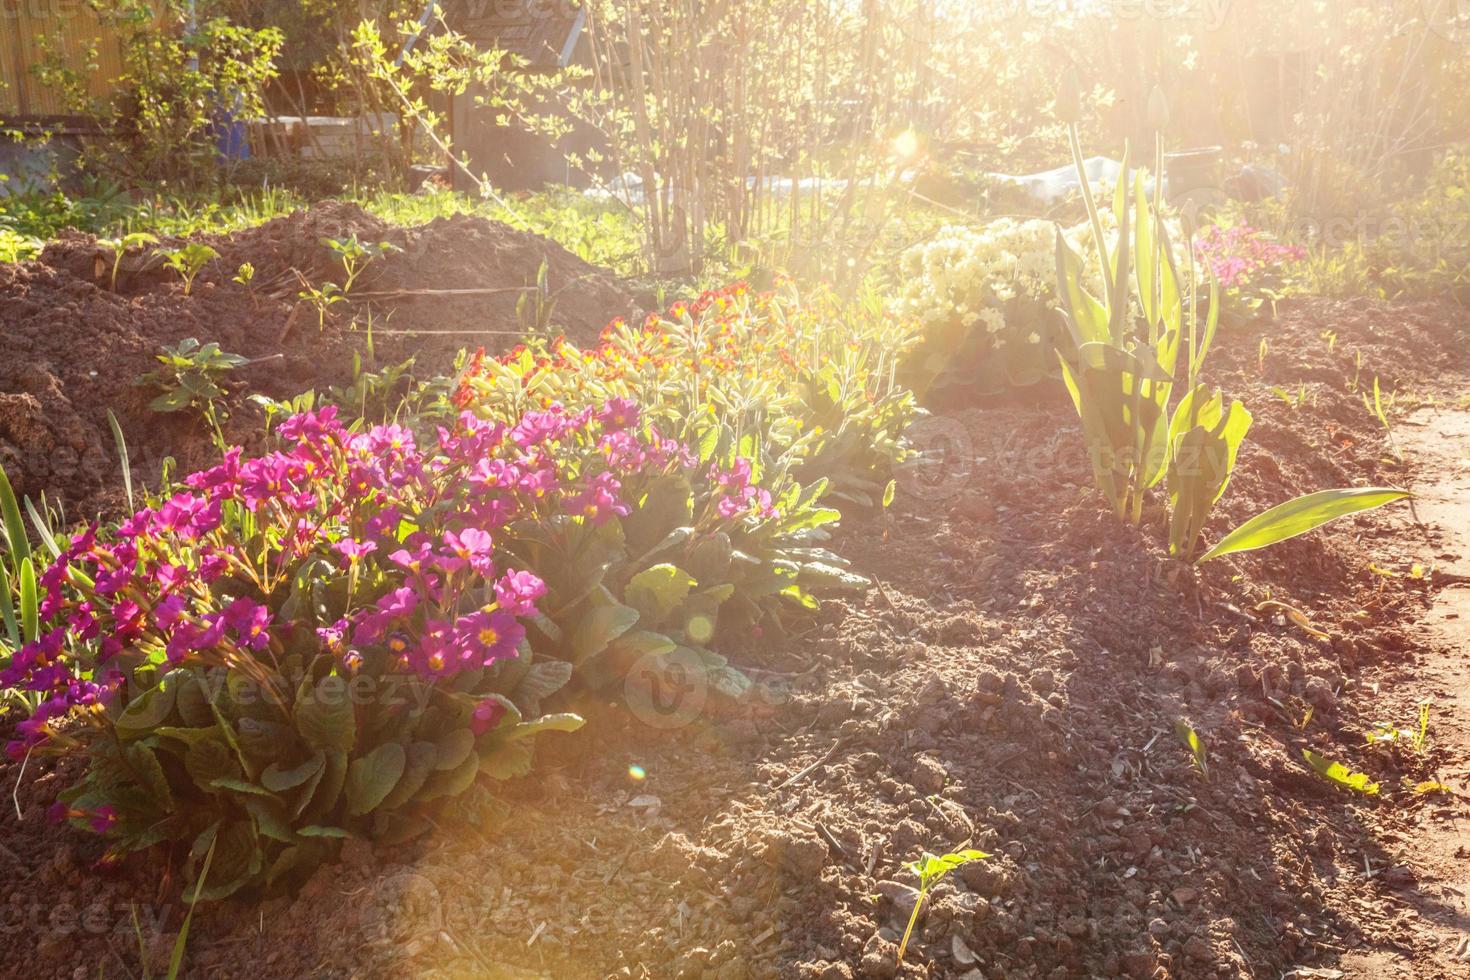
(1158, 110)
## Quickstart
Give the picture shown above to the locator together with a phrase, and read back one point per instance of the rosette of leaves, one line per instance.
(659, 587)
(277, 773)
(849, 438)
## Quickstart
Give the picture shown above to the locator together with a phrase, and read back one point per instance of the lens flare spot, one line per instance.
(637, 774)
(906, 145)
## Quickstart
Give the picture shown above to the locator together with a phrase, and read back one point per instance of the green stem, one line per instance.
(918, 904)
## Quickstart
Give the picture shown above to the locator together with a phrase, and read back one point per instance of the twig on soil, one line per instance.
(465, 291)
(15, 793)
(450, 333)
(813, 767)
(832, 842)
(874, 856)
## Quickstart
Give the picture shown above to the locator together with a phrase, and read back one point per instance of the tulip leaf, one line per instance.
(1301, 515)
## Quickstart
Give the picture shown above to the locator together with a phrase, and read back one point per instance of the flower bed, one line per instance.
(337, 637)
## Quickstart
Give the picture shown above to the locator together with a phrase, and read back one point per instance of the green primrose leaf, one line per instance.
(325, 716)
(371, 778)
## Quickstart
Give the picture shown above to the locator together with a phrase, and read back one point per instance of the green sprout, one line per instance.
(191, 376)
(188, 261)
(931, 868)
(323, 298)
(355, 256)
(121, 246)
(1196, 747)
(1336, 772)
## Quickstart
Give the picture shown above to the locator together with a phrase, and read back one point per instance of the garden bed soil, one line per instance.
(1013, 683)
(75, 347)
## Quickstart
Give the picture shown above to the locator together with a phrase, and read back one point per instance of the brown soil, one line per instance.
(75, 348)
(1015, 684)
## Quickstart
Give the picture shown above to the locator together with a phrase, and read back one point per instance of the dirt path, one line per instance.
(1437, 444)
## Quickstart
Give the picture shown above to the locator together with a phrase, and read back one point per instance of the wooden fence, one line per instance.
(29, 30)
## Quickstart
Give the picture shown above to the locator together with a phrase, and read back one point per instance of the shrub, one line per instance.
(1121, 362)
(184, 73)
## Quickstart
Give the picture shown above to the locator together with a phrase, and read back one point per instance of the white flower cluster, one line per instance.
(967, 276)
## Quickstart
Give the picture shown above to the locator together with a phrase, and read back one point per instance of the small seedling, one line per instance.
(355, 256)
(245, 275)
(1293, 400)
(931, 868)
(191, 376)
(1340, 774)
(1379, 410)
(1431, 786)
(323, 298)
(1196, 747)
(1418, 737)
(121, 246)
(1421, 734)
(188, 261)
(536, 305)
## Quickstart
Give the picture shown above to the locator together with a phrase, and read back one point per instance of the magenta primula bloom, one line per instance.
(352, 551)
(250, 621)
(311, 427)
(471, 547)
(494, 474)
(619, 414)
(538, 427)
(485, 637)
(212, 567)
(623, 452)
(219, 478)
(182, 579)
(486, 716)
(384, 524)
(415, 559)
(517, 592)
(188, 637)
(600, 501)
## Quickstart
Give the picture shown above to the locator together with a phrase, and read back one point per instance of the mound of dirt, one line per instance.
(75, 346)
(1013, 685)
